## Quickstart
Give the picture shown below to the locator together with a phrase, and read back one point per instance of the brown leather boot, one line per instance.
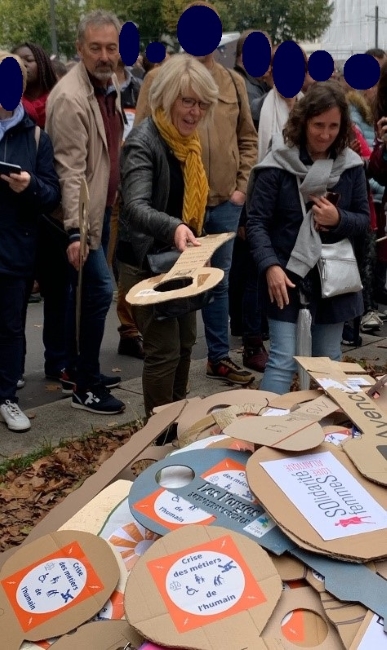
(254, 354)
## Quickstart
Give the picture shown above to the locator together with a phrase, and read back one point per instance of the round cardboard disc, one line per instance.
(344, 515)
(215, 492)
(271, 432)
(55, 584)
(100, 635)
(202, 588)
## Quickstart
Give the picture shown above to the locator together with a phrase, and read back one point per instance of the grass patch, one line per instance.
(20, 462)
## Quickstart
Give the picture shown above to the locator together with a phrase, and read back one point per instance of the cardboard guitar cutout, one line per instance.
(321, 501)
(53, 585)
(348, 582)
(101, 635)
(203, 588)
(217, 495)
(189, 276)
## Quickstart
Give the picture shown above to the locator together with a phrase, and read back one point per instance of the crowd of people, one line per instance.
(171, 152)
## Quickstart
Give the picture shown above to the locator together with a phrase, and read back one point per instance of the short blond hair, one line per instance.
(5, 55)
(177, 76)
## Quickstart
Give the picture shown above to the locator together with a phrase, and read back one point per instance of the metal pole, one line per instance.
(376, 26)
(54, 43)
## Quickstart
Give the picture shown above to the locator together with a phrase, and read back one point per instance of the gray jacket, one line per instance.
(145, 186)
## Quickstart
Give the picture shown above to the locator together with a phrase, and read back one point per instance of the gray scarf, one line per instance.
(315, 180)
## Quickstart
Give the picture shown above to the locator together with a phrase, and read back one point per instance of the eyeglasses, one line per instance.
(190, 102)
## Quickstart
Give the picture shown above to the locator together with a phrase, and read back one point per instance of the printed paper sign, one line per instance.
(327, 495)
(200, 585)
(171, 510)
(272, 412)
(231, 475)
(337, 437)
(47, 587)
(357, 382)
(375, 638)
(325, 382)
(132, 540)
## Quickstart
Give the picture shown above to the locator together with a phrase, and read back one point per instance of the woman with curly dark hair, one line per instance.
(310, 157)
(41, 79)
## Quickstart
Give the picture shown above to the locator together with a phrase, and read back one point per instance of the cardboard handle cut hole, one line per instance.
(173, 285)
(175, 476)
(304, 628)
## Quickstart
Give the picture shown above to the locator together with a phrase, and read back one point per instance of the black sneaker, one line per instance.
(229, 371)
(67, 380)
(97, 400)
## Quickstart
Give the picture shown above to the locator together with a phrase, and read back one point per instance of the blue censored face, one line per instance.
(199, 31)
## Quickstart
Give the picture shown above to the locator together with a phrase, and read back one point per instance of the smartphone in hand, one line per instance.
(333, 197)
(8, 168)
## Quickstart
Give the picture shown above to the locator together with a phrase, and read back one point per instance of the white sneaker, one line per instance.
(14, 417)
(370, 321)
(21, 383)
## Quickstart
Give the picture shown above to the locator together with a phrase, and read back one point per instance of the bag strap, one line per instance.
(37, 137)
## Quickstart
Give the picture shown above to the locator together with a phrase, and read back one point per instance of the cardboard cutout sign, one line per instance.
(319, 634)
(53, 585)
(329, 367)
(322, 501)
(296, 431)
(188, 277)
(218, 494)
(346, 617)
(198, 409)
(368, 452)
(195, 421)
(106, 635)
(203, 588)
(294, 399)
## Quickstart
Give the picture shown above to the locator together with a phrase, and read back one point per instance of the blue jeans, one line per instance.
(222, 218)
(280, 368)
(97, 294)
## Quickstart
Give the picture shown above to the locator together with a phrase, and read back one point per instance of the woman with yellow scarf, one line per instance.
(164, 195)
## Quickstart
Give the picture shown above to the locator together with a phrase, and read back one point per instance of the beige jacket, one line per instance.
(75, 126)
(229, 144)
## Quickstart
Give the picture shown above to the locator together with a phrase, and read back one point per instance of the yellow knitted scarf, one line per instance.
(188, 151)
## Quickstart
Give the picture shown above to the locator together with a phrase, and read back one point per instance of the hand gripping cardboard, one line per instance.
(101, 635)
(344, 540)
(188, 277)
(53, 585)
(203, 588)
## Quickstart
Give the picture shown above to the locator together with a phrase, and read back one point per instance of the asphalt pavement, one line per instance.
(53, 418)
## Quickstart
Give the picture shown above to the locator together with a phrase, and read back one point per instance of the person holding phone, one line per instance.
(309, 162)
(28, 186)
